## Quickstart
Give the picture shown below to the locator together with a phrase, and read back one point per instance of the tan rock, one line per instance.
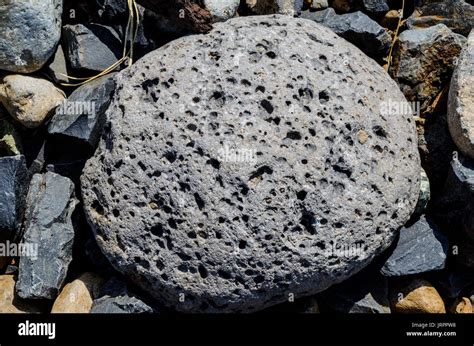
(9, 302)
(419, 296)
(29, 100)
(390, 20)
(362, 136)
(78, 296)
(462, 306)
(341, 5)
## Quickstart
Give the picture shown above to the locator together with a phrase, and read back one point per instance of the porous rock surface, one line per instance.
(180, 212)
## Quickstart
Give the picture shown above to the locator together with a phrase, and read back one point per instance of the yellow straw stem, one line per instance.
(395, 37)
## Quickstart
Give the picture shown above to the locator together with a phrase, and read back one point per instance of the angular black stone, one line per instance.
(355, 27)
(375, 7)
(91, 47)
(13, 189)
(48, 224)
(81, 116)
(459, 188)
(115, 298)
(421, 248)
(454, 207)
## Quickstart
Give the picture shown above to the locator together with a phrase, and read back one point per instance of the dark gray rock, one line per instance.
(423, 62)
(29, 34)
(113, 287)
(91, 47)
(436, 150)
(355, 27)
(454, 209)
(114, 298)
(48, 225)
(147, 34)
(178, 211)
(11, 270)
(37, 158)
(81, 116)
(107, 12)
(68, 168)
(375, 8)
(459, 188)
(362, 294)
(120, 305)
(57, 70)
(421, 248)
(115, 13)
(456, 206)
(14, 186)
(458, 15)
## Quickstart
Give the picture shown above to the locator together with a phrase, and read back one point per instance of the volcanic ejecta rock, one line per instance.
(235, 192)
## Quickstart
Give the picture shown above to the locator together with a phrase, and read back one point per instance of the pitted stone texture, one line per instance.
(178, 211)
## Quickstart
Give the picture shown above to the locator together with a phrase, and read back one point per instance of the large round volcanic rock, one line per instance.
(251, 163)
